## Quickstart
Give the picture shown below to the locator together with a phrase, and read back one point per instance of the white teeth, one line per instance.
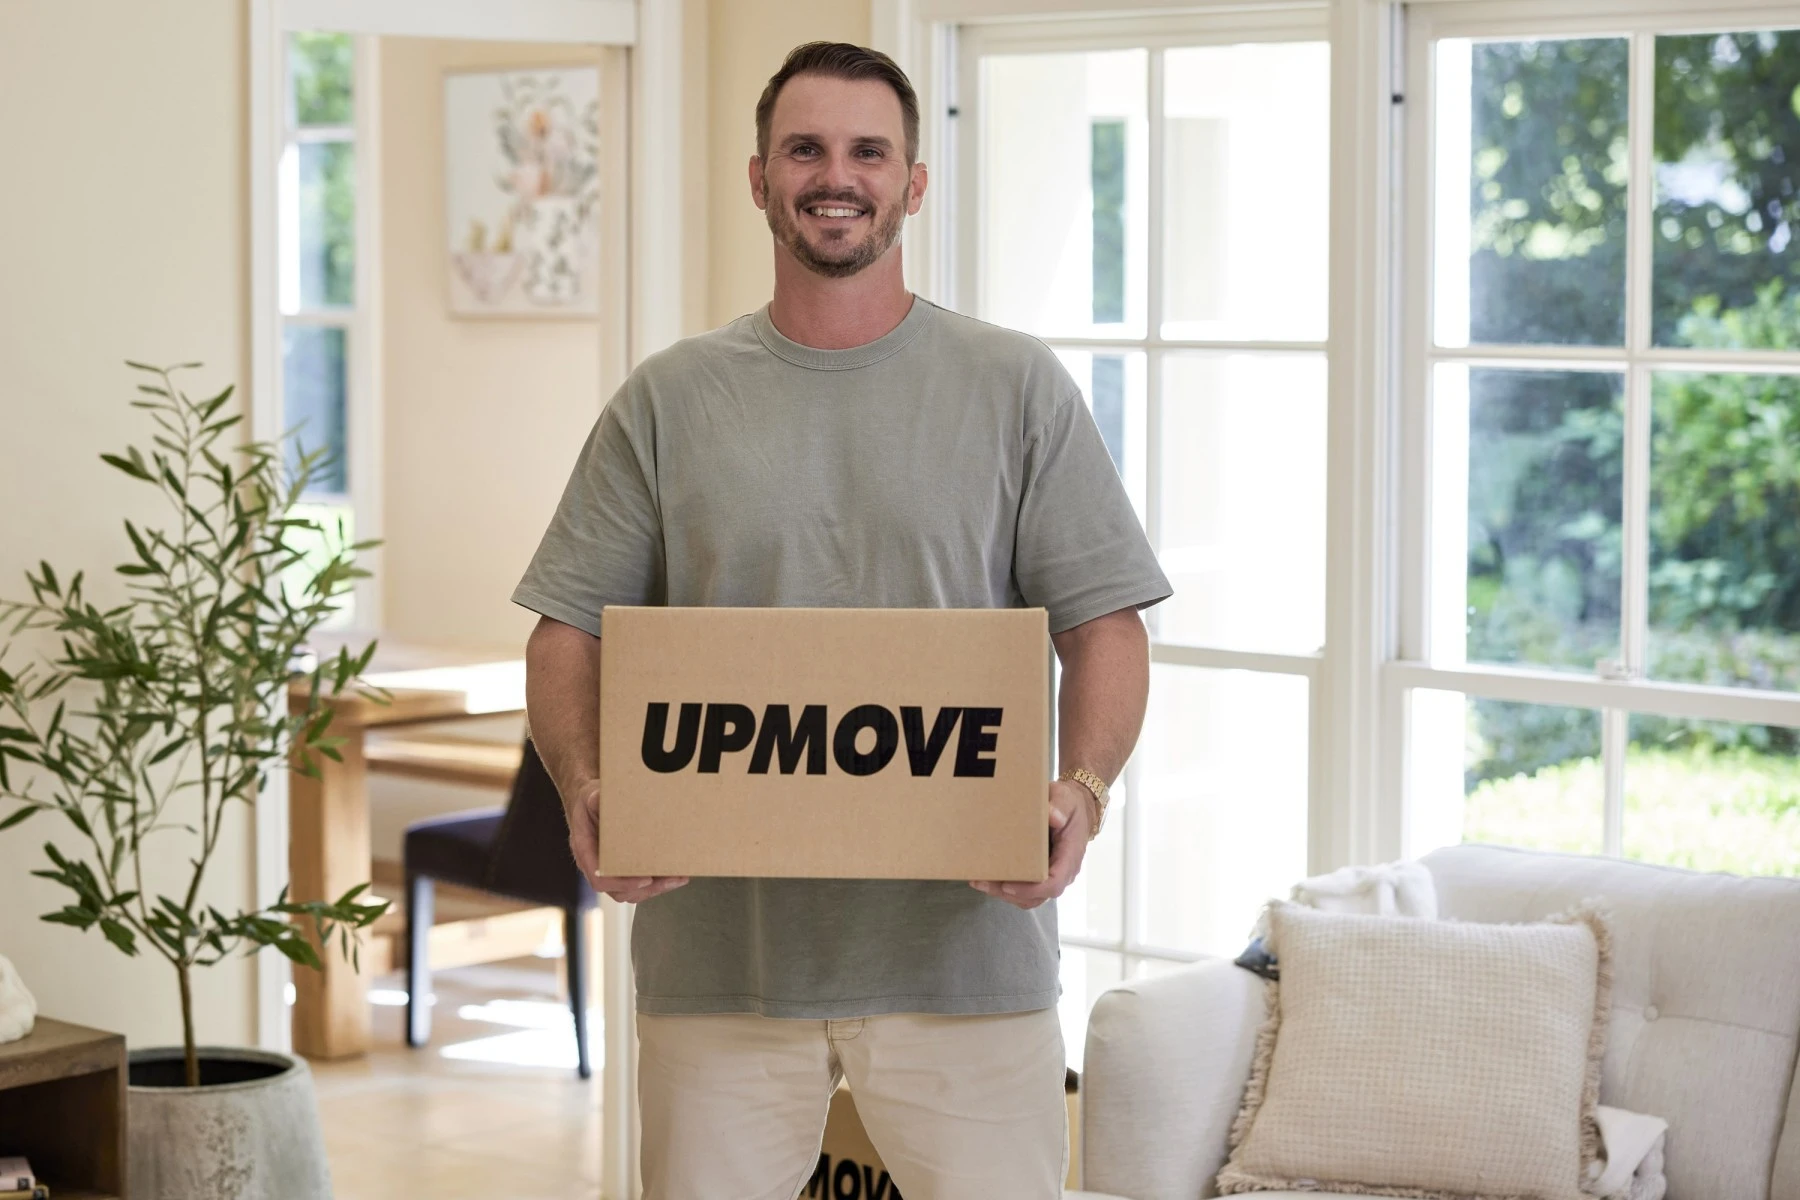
(819, 211)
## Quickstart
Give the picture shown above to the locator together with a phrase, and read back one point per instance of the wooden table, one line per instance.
(62, 1105)
(328, 818)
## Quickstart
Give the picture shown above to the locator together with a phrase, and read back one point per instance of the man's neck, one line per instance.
(838, 314)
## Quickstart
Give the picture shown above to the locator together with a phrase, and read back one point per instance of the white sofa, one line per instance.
(1705, 1026)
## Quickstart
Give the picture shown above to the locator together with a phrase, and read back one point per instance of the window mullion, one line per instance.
(1635, 515)
(1615, 736)
(1132, 874)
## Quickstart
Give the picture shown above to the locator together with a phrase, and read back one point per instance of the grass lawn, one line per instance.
(1711, 810)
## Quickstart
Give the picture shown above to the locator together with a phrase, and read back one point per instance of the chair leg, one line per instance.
(420, 896)
(575, 963)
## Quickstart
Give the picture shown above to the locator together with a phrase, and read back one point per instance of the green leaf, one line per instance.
(130, 468)
(166, 752)
(20, 817)
(119, 936)
(70, 916)
(299, 950)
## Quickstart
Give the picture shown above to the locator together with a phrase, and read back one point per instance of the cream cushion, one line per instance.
(1426, 1058)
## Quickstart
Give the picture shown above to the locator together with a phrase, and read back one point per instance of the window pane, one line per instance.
(1513, 774)
(314, 387)
(1113, 386)
(1531, 168)
(1727, 190)
(336, 529)
(1063, 166)
(321, 70)
(1243, 501)
(1725, 530)
(1246, 159)
(1713, 796)
(1221, 803)
(1085, 974)
(1539, 505)
(321, 249)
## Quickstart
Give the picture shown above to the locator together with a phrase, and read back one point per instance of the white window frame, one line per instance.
(1616, 690)
(958, 113)
(360, 321)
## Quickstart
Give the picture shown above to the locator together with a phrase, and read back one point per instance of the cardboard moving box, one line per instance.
(825, 743)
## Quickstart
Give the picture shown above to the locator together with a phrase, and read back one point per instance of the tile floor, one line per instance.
(492, 1108)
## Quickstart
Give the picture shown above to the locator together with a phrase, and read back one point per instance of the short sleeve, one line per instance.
(1080, 552)
(604, 544)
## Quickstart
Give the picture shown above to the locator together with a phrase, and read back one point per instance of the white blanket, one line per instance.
(1396, 889)
(1633, 1146)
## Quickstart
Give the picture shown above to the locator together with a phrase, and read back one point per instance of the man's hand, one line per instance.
(584, 829)
(1071, 820)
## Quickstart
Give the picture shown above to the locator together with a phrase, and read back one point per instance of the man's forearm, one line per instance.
(562, 702)
(1105, 688)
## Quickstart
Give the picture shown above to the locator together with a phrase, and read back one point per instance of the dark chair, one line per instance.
(520, 852)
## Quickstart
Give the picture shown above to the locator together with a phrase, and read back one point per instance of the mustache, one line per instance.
(819, 196)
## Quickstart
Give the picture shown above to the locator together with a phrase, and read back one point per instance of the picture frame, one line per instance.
(522, 191)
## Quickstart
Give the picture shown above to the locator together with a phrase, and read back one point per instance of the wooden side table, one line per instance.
(62, 1105)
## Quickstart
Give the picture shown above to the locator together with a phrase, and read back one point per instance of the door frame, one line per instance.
(661, 103)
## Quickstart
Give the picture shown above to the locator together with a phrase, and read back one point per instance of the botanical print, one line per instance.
(521, 159)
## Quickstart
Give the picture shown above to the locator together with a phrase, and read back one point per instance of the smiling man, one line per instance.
(848, 445)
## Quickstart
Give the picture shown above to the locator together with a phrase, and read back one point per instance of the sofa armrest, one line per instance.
(1167, 1059)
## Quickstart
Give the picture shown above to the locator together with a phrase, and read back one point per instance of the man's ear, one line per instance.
(915, 192)
(758, 189)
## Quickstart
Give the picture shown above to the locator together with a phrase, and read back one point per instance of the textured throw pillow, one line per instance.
(1431, 1059)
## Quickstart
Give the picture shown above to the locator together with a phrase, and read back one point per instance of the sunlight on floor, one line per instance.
(545, 1035)
(492, 1107)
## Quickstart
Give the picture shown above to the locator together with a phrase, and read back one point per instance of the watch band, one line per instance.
(1096, 787)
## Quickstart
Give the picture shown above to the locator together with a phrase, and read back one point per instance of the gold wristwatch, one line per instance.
(1095, 785)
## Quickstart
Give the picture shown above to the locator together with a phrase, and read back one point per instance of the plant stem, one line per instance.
(189, 1054)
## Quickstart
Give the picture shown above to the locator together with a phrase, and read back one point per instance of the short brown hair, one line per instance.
(840, 60)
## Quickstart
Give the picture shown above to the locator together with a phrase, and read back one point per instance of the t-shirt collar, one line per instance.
(864, 355)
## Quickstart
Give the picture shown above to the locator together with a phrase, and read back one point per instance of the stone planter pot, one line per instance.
(250, 1131)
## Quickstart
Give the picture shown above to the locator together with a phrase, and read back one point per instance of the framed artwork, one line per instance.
(521, 164)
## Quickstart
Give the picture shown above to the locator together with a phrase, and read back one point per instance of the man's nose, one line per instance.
(838, 172)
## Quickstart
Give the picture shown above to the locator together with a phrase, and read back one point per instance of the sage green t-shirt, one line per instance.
(949, 464)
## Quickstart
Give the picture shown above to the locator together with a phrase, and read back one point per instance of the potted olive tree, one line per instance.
(141, 721)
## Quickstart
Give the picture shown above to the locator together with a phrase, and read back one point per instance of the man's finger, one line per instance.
(645, 889)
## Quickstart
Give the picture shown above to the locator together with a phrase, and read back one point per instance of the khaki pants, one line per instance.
(960, 1108)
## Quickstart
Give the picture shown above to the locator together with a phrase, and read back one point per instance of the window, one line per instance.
(1603, 468)
(321, 289)
(1149, 198)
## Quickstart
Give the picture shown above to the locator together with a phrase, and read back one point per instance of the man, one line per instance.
(849, 445)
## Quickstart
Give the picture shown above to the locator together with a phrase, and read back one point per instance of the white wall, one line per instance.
(123, 214)
(483, 417)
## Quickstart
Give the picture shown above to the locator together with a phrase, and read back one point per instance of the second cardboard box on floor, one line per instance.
(824, 743)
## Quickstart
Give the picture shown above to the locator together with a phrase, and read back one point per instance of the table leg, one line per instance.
(328, 854)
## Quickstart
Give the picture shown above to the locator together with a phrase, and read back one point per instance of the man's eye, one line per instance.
(805, 151)
(869, 152)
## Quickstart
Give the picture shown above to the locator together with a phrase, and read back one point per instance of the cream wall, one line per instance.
(482, 417)
(124, 237)
(748, 40)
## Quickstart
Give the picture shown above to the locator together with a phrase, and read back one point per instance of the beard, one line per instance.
(839, 255)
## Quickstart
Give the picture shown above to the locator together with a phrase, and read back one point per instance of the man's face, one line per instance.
(836, 185)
